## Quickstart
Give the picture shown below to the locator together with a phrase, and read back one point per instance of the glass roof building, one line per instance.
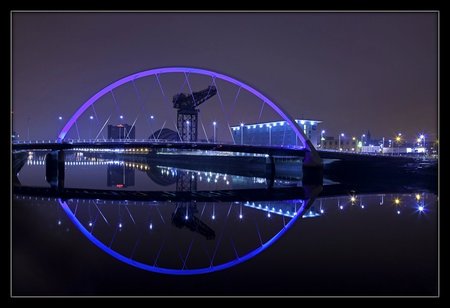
(275, 133)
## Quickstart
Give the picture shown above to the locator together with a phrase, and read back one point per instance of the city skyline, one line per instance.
(315, 65)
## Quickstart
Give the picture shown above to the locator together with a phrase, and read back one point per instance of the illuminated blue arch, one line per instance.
(170, 271)
(165, 70)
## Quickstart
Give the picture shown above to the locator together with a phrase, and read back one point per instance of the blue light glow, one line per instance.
(169, 271)
(421, 208)
(121, 117)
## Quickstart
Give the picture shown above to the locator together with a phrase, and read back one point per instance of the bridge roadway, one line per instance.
(286, 151)
(129, 144)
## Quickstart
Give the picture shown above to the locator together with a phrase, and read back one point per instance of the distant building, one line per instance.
(275, 133)
(121, 131)
(346, 143)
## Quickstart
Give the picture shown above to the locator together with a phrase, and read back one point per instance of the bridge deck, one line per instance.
(219, 147)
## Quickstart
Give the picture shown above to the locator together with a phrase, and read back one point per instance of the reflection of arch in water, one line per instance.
(204, 270)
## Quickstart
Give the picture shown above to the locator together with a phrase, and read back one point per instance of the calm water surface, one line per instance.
(351, 243)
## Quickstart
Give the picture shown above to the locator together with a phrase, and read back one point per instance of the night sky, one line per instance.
(354, 71)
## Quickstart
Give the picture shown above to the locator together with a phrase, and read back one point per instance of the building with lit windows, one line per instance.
(345, 143)
(275, 133)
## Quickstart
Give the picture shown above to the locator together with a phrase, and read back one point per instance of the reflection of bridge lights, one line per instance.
(398, 212)
(150, 226)
(417, 197)
(341, 207)
(59, 222)
(421, 208)
(240, 216)
(321, 211)
(213, 217)
(120, 225)
(186, 217)
(268, 215)
(90, 224)
(362, 206)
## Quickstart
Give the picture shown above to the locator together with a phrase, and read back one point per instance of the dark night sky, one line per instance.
(354, 71)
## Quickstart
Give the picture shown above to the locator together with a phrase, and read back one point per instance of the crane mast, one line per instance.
(187, 111)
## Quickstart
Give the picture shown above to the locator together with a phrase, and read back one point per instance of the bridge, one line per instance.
(177, 127)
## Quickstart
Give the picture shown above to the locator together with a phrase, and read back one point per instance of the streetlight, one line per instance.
(188, 133)
(214, 125)
(242, 133)
(60, 119)
(398, 139)
(270, 133)
(152, 117)
(422, 137)
(340, 135)
(90, 126)
(321, 138)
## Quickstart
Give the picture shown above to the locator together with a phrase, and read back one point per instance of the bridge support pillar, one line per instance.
(270, 171)
(312, 169)
(55, 169)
